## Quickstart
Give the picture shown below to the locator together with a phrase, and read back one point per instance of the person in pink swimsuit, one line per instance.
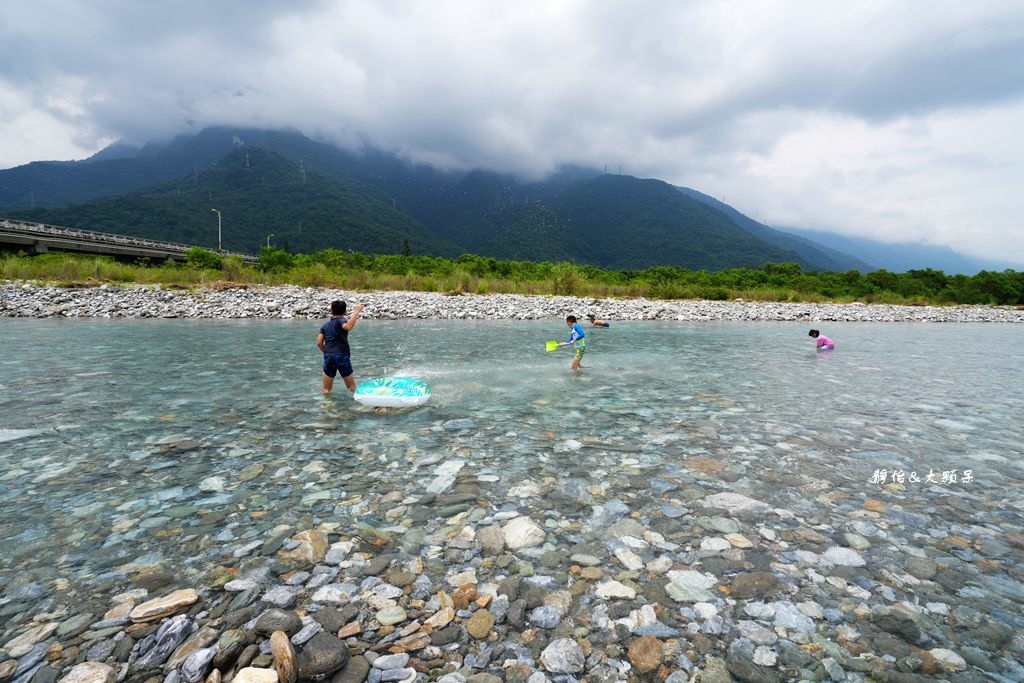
(823, 341)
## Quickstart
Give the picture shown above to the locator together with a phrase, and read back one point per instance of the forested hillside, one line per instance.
(258, 193)
(312, 196)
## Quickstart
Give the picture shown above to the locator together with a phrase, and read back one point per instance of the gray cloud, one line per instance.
(858, 117)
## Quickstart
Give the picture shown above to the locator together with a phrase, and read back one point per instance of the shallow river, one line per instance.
(180, 444)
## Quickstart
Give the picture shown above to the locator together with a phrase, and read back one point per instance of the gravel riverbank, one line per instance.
(32, 301)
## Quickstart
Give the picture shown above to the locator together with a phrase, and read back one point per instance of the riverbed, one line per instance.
(784, 511)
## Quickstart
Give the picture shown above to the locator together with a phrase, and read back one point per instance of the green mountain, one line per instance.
(818, 256)
(258, 193)
(374, 201)
(633, 223)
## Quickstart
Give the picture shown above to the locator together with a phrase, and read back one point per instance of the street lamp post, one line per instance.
(268, 239)
(218, 228)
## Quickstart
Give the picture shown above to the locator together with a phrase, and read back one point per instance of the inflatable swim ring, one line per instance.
(392, 392)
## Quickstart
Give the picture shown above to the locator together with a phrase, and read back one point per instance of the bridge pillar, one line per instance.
(39, 248)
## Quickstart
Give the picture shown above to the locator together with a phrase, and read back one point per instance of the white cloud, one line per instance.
(951, 178)
(52, 126)
(880, 119)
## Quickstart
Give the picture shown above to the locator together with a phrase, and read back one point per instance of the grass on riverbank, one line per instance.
(479, 275)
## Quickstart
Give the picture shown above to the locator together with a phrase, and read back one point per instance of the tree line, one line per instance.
(669, 282)
(482, 275)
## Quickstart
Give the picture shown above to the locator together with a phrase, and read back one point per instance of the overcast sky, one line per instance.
(897, 120)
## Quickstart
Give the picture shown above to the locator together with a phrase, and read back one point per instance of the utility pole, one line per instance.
(268, 239)
(218, 228)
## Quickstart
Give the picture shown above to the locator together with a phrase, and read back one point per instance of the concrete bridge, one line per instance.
(37, 238)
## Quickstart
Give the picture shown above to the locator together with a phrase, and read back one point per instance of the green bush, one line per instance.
(202, 259)
(565, 279)
(274, 260)
(233, 268)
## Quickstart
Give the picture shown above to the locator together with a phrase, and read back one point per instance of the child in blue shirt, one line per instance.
(576, 335)
(333, 342)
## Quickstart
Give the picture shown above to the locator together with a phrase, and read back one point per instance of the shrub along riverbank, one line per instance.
(480, 275)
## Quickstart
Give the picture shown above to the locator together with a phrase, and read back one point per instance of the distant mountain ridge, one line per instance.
(899, 257)
(312, 196)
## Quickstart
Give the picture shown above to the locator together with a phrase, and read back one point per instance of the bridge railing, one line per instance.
(90, 236)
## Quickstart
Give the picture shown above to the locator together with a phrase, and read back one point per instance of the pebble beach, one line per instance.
(714, 569)
(31, 300)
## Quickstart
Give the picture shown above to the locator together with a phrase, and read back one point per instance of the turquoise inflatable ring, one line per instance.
(392, 392)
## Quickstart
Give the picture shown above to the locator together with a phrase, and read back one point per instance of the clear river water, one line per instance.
(176, 444)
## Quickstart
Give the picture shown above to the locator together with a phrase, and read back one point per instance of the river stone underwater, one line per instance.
(163, 451)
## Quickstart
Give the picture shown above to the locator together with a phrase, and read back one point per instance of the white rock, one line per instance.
(659, 565)
(522, 532)
(715, 544)
(563, 655)
(634, 542)
(692, 579)
(527, 489)
(759, 610)
(764, 656)
(811, 609)
(332, 594)
(252, 674)
(614, 589)
(172, 603)
(338, 551)
(739, 541)
(16, 647)
(704, 610)
(239, 585)
(950, 661)
(845, 557)
(90, 672)
(445, 475)
(629, 559)
(462, 578)
(211, 484)
(734, 502)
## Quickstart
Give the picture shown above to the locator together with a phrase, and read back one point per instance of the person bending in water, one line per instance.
(823, 341)
(576, 338)
(597, 323)
(333, 342)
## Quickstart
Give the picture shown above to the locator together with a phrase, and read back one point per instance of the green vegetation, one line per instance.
(484, 275)
(200, 258)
